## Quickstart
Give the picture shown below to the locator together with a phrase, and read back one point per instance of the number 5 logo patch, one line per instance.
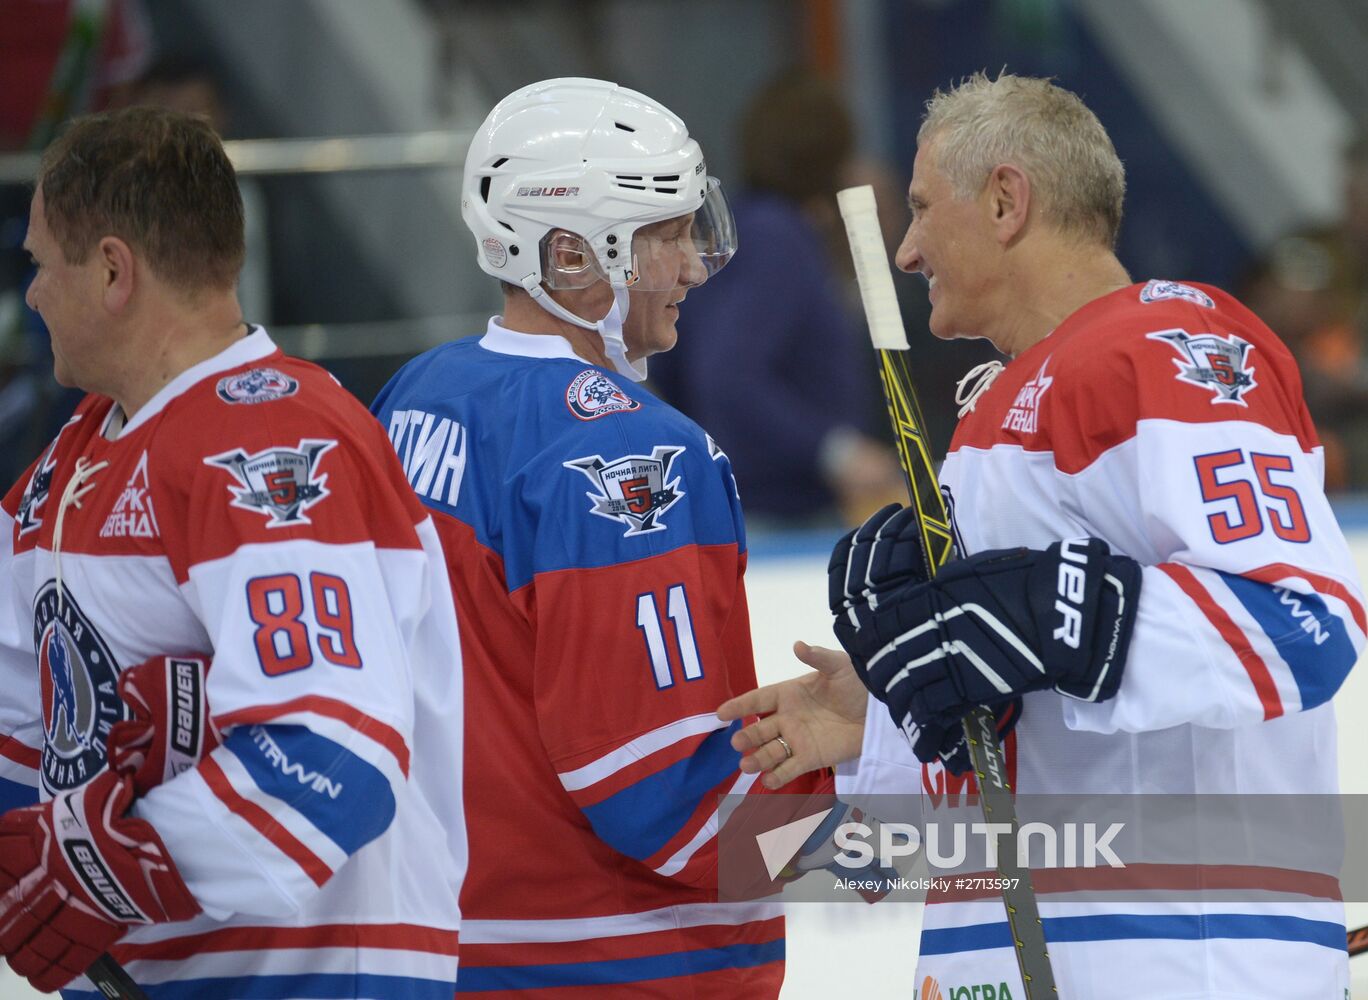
(635, 489)
(1213, 362)
(281, 483)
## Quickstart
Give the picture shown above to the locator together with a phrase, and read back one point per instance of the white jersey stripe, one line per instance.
(639, 749)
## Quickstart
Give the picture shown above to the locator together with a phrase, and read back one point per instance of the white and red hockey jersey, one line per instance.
(254, 512)
(1166, 419)
(598, 534)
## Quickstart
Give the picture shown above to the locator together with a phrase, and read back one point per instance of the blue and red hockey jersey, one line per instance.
(596, 547)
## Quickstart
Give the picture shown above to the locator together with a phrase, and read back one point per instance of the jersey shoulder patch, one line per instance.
(1213, 361)
(1163, 291)
(591, 394)
(256, 385)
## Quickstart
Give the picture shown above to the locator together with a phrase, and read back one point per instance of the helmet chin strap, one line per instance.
(609, 329)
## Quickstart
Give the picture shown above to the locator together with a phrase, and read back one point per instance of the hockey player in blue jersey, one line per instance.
(596, 534)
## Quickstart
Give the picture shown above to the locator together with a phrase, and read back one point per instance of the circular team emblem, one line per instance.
(78, 678)
(260, 385)
(593, 394)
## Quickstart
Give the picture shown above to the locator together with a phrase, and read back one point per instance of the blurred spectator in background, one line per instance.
(189, 85)
(770, 357)
(1312, 289)
(58, 58)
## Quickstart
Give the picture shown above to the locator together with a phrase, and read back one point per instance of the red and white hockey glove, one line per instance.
(75, 873)
(171, 729)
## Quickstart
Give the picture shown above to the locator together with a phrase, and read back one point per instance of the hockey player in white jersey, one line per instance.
(282, 813)
(1153, 590)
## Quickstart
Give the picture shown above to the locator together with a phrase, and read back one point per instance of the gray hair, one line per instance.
(1046, 131)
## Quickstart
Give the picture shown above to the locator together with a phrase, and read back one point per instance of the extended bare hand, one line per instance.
(820, 716)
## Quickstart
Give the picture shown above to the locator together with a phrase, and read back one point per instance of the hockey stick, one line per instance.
(1358, 941)
(859, 211)
(112, 981)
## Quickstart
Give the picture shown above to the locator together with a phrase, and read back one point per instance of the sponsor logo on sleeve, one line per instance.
(634, 490)
(282, 483)
(592, 394)
(1220, 364)
(77, 679)
(260, 385)
(1161, 291)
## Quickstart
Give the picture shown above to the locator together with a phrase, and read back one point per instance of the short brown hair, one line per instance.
(157, 179)
(1046, 131)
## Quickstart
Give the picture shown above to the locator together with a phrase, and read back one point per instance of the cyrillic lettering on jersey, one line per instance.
(433, 452)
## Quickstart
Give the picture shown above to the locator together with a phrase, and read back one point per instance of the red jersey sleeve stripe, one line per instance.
(1274, 572)
(1234, 637)
(26, 756)
(261, 821)
(386, 735)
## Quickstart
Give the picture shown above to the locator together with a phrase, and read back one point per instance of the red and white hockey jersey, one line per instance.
(252, 511)
(1167, 420)
(597, 533)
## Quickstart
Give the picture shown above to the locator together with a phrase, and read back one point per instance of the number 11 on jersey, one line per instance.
(648, 620)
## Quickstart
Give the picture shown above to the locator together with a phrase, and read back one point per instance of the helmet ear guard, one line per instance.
(568, 262)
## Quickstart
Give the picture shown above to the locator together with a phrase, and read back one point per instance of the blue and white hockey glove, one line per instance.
(946, 741)
(986, 630)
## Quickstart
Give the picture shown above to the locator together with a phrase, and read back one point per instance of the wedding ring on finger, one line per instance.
(788, 750)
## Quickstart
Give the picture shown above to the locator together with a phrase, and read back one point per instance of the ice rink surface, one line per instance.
(856, 950)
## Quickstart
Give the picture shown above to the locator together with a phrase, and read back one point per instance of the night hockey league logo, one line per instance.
(78, 679)
(635, 490)
(279, 482)
(36, 493)
(30, 516)
(260, 385)
(1162, 291)
(1213, 362)
(593, 394)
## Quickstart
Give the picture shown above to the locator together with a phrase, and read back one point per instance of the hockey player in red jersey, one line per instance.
(1150, 570)
(599, 532)
(281, 816)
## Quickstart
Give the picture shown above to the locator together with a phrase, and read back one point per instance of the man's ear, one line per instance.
(118, 272)
(1009, 200)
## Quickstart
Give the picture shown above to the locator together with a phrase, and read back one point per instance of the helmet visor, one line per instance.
(686, 250)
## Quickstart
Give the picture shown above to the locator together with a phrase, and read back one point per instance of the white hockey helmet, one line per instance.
(597, 160)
